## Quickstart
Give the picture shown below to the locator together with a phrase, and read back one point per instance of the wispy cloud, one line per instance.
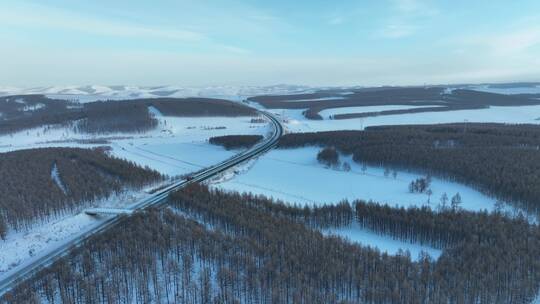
(44, 17)
(407, 18)
(514, 42)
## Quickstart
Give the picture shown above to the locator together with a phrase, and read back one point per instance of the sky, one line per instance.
(261, 42)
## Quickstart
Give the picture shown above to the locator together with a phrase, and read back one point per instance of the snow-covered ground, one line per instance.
(384, 243)
(537, 299)
(179, 145)
(119, 92)
(295, 176)
(295, 122)
(55, 176)
(182, 144)
(328, 113)
(21, 248)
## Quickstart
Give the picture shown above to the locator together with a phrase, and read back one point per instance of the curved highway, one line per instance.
(18, 274)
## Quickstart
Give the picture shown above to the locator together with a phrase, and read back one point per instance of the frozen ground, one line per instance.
(295, 122)
(295, 176)
(384, 243)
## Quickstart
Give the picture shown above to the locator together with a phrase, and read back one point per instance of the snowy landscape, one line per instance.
(261, 152)
(179, 146)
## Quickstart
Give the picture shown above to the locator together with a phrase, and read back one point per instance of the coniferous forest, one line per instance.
(22, 112)
(210, 246)
(430, 99)
(39, 183)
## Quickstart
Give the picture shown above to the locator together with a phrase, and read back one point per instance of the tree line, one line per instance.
(212, 246)
(235, 141)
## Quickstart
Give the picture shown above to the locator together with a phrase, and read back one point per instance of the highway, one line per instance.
(18, 274)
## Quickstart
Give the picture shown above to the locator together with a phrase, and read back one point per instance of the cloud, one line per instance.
(39, 17)
(44, 17)
(407, 17)
(517, 42)
(514, 42)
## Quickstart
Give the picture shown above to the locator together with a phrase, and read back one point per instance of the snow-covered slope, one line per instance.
(96, 92)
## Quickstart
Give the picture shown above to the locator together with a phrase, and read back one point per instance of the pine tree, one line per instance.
(456, 201)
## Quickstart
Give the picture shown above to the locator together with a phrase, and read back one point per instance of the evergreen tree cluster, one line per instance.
(107, 116)
(420, 185)
(328, 156)
(39, 183)
(211, 246)
(235, 141)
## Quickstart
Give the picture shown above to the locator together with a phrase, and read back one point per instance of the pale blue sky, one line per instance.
(261, 42)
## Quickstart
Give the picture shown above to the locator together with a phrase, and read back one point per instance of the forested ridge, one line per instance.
(16, 115)
(500, 160)
(38, 183)
(211, 246)
(107, 116)
(235, 141)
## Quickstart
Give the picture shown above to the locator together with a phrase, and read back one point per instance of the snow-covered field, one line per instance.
(296, 122)
(178, 146)
(182, 145)
(295, 176)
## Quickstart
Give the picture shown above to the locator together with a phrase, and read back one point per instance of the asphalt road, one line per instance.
(12, 278)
